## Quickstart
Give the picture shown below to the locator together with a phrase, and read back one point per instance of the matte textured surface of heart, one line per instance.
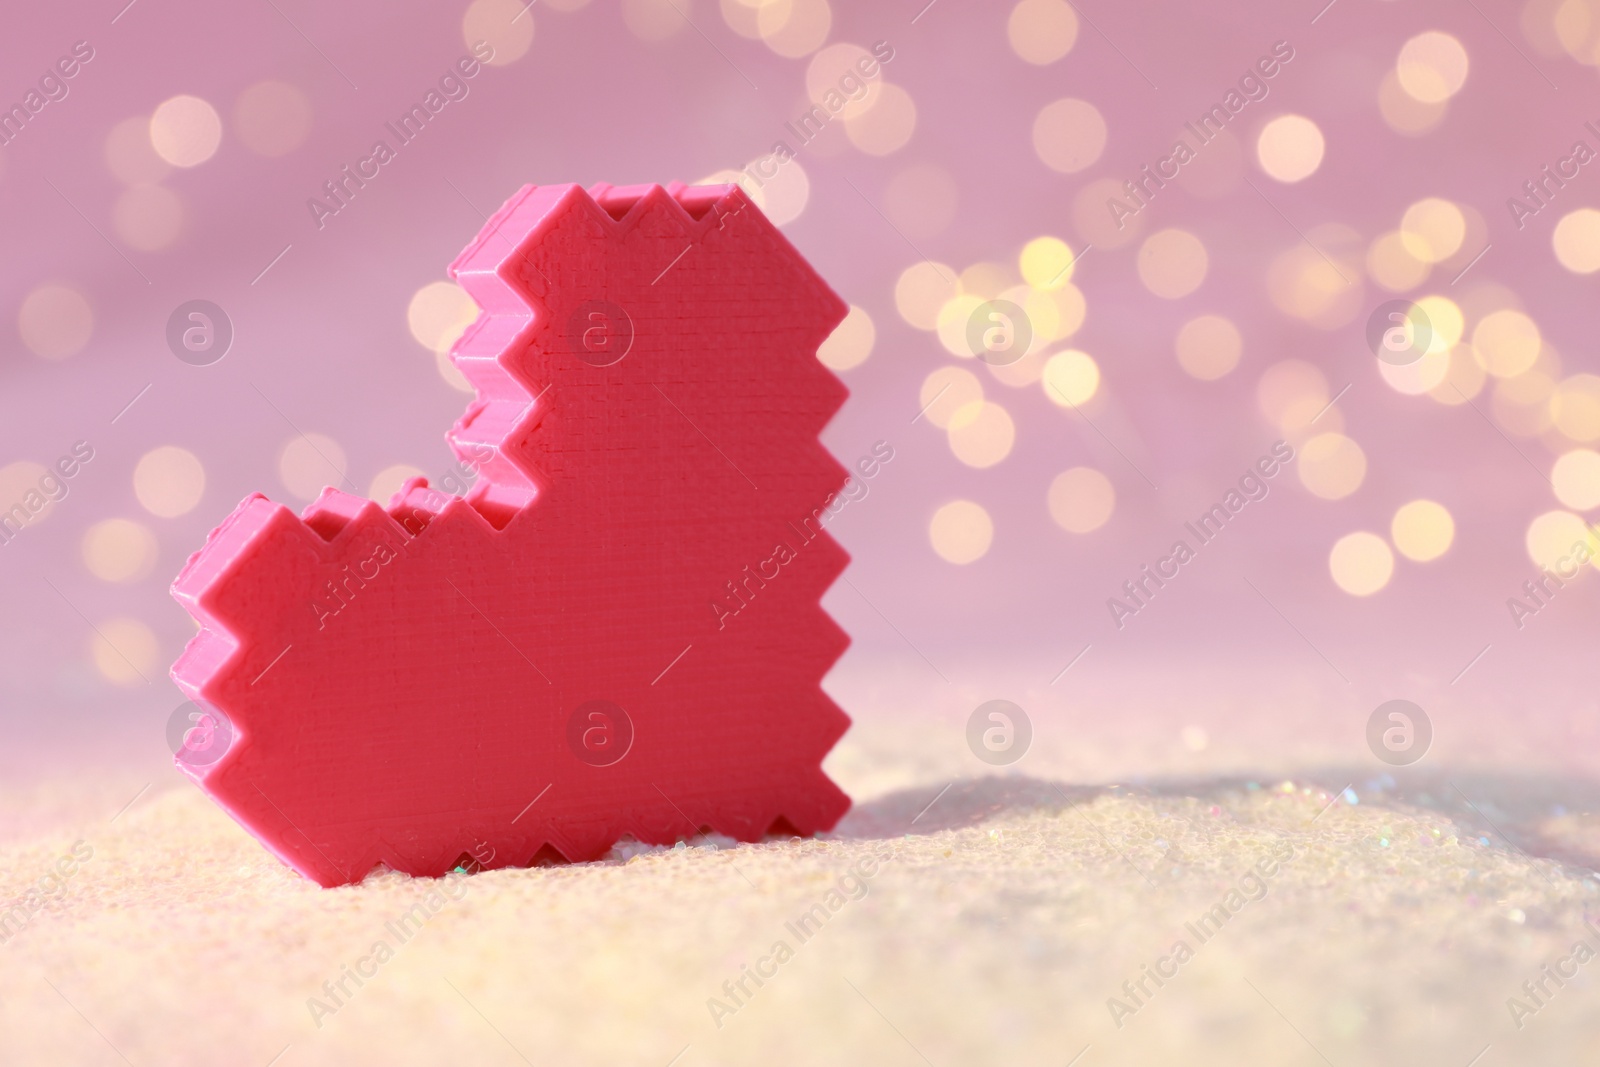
(617, 632)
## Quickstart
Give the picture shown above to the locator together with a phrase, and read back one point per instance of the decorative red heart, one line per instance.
(617, 631)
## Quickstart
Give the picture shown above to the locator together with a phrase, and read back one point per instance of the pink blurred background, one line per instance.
(120, 203)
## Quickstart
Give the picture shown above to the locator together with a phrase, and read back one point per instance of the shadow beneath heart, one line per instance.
(1549, 816)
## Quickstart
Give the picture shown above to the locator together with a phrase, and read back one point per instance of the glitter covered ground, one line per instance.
(968, 921)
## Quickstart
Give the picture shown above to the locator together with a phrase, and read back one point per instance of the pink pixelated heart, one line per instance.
(617, 631)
